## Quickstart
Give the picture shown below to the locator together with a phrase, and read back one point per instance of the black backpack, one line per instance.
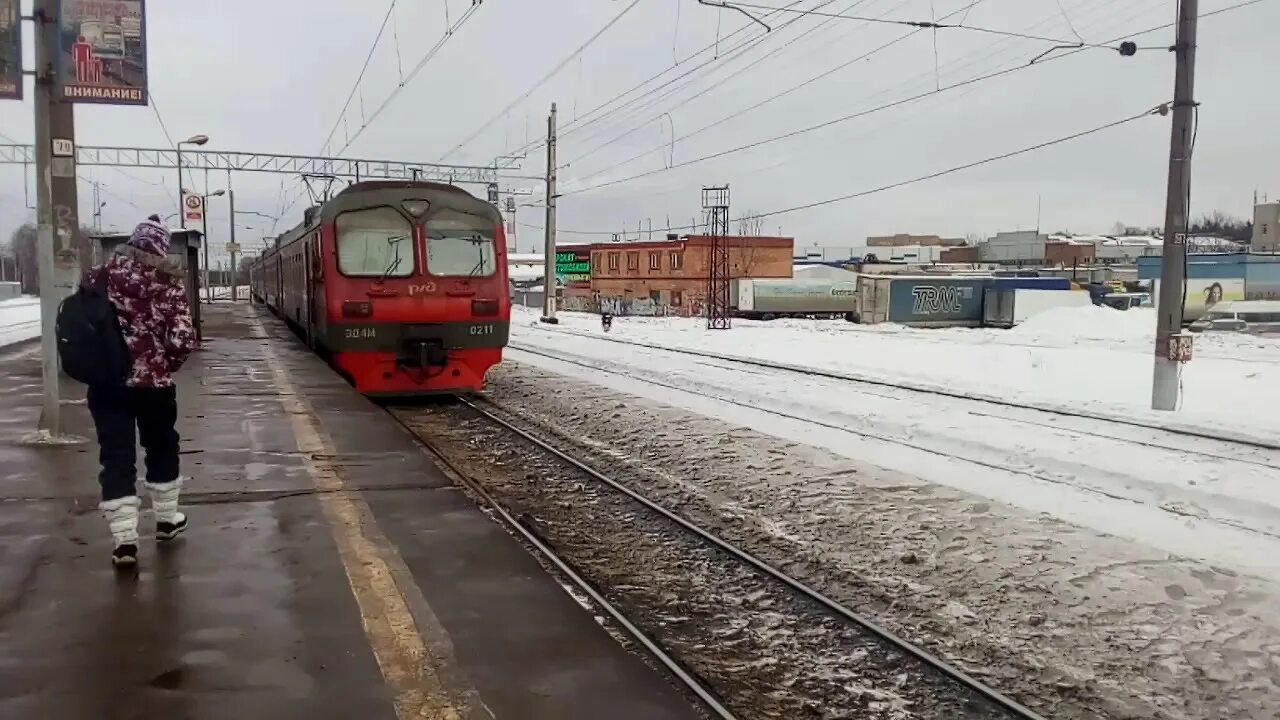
(90, 345)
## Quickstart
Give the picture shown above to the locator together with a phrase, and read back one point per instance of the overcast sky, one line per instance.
(273, 76)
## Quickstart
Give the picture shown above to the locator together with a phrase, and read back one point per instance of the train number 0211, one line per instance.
(360, 332)
(482, 329)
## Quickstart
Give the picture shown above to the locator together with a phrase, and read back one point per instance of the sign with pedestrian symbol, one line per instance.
(193, 208)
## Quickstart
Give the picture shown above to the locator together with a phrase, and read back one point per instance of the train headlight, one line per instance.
(357, 309)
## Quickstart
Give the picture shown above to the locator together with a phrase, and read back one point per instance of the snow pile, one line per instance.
(1093, 322)
(19, 320)
(1092, 359)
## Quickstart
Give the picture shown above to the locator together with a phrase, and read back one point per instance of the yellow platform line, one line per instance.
(413, 671)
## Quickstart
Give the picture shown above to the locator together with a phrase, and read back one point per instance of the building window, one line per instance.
(656, 296)
(676, 297)
(655, 261)
(677, 260)
(633, 261)
(595, 262)
(613, 261)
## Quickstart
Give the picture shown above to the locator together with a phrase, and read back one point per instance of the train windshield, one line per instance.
(460, 245)
(377, 242)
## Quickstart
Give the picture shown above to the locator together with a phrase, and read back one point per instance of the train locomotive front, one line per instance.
(401, 285)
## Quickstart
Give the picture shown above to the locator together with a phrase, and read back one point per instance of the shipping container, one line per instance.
(921, 301)
(1009, 306)
(769, 299)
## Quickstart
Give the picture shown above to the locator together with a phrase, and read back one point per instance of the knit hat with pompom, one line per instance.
(151, 236)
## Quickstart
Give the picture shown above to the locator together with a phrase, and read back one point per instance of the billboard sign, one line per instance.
(193, 208)
(573, 268)
(10, 50)
(103, 52)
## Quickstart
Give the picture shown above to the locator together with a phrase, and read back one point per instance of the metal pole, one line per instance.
(204, 226)
(1164, 387)
(182, 198)
(231, 200)
(549, 249)
(60, 245)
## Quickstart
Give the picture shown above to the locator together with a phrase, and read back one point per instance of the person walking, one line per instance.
(145, 288)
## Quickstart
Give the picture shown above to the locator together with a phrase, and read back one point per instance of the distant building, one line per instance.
(1266, 227)
(902, 239)
(919, 254)
(1014, 248)
(672, 274)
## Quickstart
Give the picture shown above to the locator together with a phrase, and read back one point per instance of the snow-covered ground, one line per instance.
(19, 320)
(1188, 496)
(1091, 359)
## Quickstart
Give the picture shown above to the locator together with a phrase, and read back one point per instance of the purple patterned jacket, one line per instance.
(155, 316)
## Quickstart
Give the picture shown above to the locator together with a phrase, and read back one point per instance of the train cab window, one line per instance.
(376, 242)
(460, 245)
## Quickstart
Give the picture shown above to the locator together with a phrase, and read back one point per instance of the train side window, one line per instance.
(374, 243)
(460, 245)
(317, 261)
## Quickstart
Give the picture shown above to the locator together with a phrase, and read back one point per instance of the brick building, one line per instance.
(673, 273)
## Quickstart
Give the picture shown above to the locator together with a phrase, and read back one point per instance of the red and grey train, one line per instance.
(401, 285)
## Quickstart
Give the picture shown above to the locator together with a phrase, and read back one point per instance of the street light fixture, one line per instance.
(193, 140)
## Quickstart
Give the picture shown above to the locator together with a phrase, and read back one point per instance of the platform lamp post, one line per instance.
(208, 291)
(196, 140)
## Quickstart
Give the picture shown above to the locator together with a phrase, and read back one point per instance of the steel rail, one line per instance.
(954, 673)
(924, 390)
(695, 685)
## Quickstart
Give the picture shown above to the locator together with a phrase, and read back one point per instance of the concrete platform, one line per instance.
(331, 571)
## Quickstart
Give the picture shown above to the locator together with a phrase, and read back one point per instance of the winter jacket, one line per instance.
(155, 316)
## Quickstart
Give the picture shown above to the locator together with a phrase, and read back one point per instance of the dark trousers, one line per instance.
(116, 410)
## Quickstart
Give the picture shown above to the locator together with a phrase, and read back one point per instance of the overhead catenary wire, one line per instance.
(640, 126)
(585, 120)
(673, 86)
(863, 113)
(406, 79)
(373, 47)
(791, 88)
(929, 24)
(545, 78)
(1156, 110)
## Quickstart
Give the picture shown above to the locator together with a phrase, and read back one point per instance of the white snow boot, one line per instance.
(164, 501)
(122, 517)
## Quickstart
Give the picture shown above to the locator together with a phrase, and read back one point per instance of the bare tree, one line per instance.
(22, 248)
(750, 225)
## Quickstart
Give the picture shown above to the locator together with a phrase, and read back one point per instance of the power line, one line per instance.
(613, 21)
(704, 91)
(886, 106)
(426, 58)
(652, 97)
(413, 73)
(1156, 110)
(151, 96)
(363, 69)
(791, 88)
(788, 91)
(581, 122)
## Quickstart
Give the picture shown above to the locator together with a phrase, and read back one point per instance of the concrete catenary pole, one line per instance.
(549, 249)
(1164, 388)
(60, 246)
(231, 244)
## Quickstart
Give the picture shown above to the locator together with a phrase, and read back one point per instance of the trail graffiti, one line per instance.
(937, 300)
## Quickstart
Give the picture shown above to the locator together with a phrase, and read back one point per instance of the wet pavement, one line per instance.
(331, 571)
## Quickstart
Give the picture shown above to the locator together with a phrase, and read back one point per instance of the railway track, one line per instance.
(959, 694)
(924, 390)
(1258, 464)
